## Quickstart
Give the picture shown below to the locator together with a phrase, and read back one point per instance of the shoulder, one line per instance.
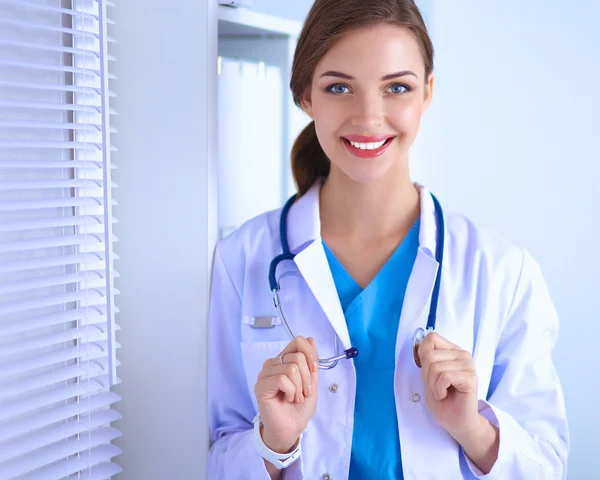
(499, 273)
(257, 236)
(482, 249)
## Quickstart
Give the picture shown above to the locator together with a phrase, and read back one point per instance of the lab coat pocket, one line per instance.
(254, 356)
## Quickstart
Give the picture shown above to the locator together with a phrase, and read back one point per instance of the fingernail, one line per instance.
(314, 367)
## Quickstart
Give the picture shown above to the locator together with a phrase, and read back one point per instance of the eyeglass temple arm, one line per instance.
(323, 362)
(277, 304)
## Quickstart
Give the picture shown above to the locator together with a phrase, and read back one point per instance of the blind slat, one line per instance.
(51, 145)
(69, 466)
(91, 261)
(91, 276)
(47, 28)
(50, 435)
(54, 68)
(80, 127)
(92, 316)
(54, 106)
(49, 184)
(83, 52)
(94, 347)
(53, 87)
(46, 164)
(49, 8)
(94, 332)
(16, 205)
(48, 417)
(50, 242)
(89, 370)
(15, 408)
(54, 453)
(93, 297)
(40, 223)
(99, 472)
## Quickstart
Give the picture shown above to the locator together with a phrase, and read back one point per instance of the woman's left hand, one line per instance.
(450, 382)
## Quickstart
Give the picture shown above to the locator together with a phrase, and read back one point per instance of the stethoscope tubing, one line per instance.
(420, 333)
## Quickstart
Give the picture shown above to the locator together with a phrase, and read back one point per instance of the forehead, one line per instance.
(373, 52)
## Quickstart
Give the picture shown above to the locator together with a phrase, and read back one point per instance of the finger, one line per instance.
(432, 357)
(439, 368)
(299, 359)
(269, 386)
(434, 341)
(313, 357)
(314, 367)
(462, 381)
(301, 344)
(292, 371)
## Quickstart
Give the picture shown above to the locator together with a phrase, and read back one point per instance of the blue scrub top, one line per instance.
(372, 316)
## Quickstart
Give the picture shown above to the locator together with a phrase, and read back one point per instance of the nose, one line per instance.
(368, 112)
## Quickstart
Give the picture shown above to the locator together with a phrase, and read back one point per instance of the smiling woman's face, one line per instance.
(366, 102)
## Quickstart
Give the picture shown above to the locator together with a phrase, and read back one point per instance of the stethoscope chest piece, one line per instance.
(420, 334)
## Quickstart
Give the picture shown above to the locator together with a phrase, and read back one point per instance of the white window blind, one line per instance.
(57, 312)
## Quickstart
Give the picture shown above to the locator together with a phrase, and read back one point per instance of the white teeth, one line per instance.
(367, 146)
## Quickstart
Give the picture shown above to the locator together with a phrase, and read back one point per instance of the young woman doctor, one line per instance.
(478, 397)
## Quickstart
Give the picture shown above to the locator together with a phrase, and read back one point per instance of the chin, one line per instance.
(368, 171)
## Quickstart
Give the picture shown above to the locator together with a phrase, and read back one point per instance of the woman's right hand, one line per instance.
(287, 393)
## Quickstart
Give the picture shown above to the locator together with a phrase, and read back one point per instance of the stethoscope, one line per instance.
(420, 333)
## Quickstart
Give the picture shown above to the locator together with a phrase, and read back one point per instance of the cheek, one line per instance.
(328, 124)
(408, 116)
(329, 115)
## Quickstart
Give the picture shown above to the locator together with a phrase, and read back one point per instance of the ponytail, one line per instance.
(309, 162)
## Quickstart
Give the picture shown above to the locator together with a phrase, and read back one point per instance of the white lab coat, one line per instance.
(493, 303)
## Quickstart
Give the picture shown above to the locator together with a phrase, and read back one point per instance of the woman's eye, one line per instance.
(336, 88)
(396, 88)
(399, 88)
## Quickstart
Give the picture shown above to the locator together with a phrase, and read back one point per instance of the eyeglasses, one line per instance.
(324, 363)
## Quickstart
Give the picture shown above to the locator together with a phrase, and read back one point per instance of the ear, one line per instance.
(428, 93)
(306, 104)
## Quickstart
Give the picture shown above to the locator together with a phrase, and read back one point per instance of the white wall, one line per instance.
(511, 140)
(294, 10)
(162, 68)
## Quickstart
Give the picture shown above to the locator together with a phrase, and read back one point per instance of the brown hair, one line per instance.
(327, 22)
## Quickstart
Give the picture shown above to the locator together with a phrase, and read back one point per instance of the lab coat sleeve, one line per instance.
(525, 399)
(230, 410)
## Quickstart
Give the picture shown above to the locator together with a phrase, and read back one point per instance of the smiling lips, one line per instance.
(367, 147)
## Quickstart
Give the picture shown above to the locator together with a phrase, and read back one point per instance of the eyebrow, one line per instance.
(345, 76)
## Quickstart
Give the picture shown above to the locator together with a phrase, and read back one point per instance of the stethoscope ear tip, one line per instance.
(351, 353)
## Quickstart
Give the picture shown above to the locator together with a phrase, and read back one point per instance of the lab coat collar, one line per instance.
(304, 221)
(304, 237)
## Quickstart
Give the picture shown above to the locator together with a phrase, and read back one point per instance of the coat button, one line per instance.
(333, 388)
(416, 398)
(326, 476)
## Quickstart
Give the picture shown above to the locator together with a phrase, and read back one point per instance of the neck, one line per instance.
(384, 208)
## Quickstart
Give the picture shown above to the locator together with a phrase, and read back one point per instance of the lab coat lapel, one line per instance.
(312, 263)
(417, 296)
(304, 237)
(422, 279)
